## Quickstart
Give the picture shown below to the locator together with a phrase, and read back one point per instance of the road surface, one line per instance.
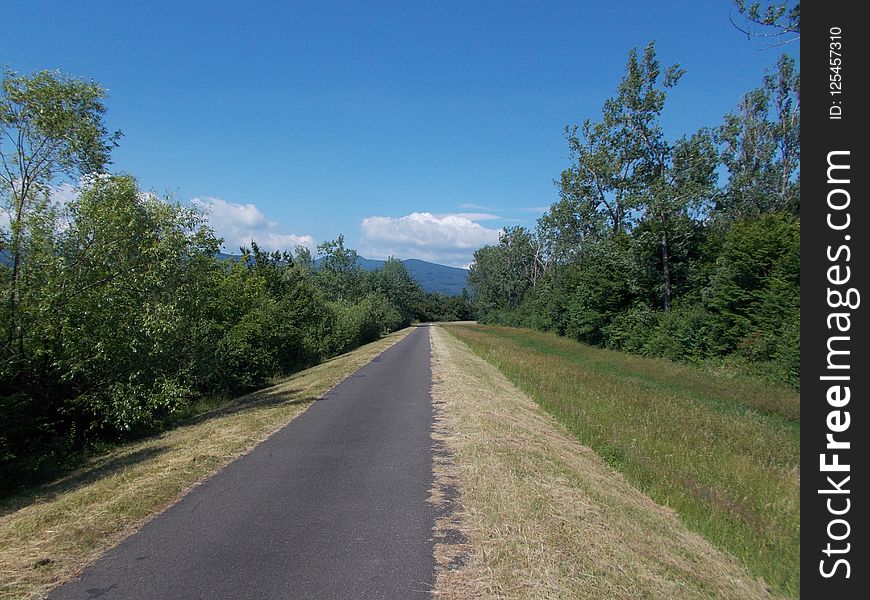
(332, 506)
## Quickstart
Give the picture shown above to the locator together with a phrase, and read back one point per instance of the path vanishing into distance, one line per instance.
(334, 505)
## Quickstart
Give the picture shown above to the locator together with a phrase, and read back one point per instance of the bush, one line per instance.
(361, 322)
(631, 330)
(681, 334)
(756, 280)
(601, 290)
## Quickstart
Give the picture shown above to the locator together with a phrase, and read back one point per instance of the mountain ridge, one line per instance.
(432, 277)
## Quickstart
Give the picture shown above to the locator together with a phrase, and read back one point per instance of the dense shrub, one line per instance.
(648, 250)
(130, 317)
(599, 293)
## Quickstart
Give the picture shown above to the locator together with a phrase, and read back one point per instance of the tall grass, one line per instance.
(723, 453)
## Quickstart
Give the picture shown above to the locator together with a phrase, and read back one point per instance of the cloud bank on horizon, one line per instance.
(238, 224)
(447, 239)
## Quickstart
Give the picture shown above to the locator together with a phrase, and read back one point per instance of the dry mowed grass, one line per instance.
(51, 534)
(723, 454)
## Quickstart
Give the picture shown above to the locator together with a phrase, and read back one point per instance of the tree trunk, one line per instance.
(15, 336)
(666, 269)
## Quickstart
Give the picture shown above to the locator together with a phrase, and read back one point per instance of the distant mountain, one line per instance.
(432, 277)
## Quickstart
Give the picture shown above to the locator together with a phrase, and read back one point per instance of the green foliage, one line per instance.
(59, 120)
(778, 20)
(601, 290)
(116, 313)
(646, 251)
(761, 148)
(339, 275)
(754, 292)
(50, 126)
(104, 305)
(501, 275)
(441, 307)
(683, 333)
(400, 290)
(356, 323)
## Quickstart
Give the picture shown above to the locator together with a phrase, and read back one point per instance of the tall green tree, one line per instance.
(761, 147)
(601, 177)
(753, 294)
(51, 126)
(500, 275)
(778, 21)
(681, 181)
(569, 225)
(612, 157)
(667, 180)
(395, 282)
(339, 273)
(486, 277)
(118, 313)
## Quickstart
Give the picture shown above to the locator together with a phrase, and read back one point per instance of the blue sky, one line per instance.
(415, 129)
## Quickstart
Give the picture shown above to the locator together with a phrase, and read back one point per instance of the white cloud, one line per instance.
(508, 209)
(238, 224)
(63, 194)
(473, 216)
(59, 196)
(501, 211)
(448, 239)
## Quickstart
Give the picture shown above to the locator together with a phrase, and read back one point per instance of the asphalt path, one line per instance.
(332, 506)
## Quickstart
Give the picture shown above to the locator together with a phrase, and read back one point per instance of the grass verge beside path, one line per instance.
(542, 516)
(49, 535)
(723, 454)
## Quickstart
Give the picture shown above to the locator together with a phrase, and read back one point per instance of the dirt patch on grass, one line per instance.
(537, 515)
(52, 533)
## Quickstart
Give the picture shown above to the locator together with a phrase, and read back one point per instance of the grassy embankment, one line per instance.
(50, 533)
(723, 453)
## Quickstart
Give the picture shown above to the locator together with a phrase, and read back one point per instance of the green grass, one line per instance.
(724, 453)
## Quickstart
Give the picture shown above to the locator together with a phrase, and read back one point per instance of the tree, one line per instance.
(777, 20)
(486, 277)
(754, 291)
(500, 275)
(682, 178)
(601, 175)
(51, 125)
(569, 224)
(275, 267)
(666, 180)
(130, 278)
(522, 251)
(395, 282)
(761, 147)
(339, 274)
(601, 286)
(611, 156)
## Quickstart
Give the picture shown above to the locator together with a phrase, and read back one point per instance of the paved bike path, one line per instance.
(332, 506)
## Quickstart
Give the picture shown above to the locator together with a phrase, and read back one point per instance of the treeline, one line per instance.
(116, 313)
(685, 248)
